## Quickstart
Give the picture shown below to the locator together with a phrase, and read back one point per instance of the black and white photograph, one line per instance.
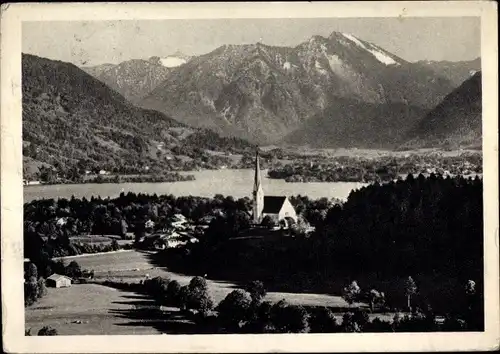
(253, 175)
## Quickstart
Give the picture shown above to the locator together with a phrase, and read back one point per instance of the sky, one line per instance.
(88, 43)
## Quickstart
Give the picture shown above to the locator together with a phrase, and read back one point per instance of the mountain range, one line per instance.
(262, 93)
(336, 91)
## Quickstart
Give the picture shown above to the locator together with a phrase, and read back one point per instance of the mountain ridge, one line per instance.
(262, 93)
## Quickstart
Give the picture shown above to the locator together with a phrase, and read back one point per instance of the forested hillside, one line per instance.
(73, 122)
(455, 122)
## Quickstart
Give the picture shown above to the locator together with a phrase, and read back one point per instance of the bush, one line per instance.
(198, 283)
(323, 321)
(289, 318)
(377, 325)
(234, 309)
(268, 221)
(259, 318)
(195, 296)
(47, 331)
(416, 323)
(157, 287)
(453, 324)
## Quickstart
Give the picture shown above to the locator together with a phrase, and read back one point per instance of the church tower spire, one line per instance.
(258, 192)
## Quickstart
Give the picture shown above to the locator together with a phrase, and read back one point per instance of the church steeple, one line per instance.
(258, 192)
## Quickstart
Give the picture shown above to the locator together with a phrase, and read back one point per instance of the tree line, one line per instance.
(245, 311)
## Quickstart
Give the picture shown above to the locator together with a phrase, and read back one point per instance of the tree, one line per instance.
(410, 290)
(351, 293)
(114, 245)
(256, 290)
(349, 323)
(470, 288)
(73, 270)
(376, 298)
(42, 289)
(32, 271)
(184, 297)
(172, 295)
(30, 292)
(47, 331)
(234, 309)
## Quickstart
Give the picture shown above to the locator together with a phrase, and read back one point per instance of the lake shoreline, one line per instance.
(208, 183)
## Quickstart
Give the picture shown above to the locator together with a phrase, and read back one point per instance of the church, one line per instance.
(277, 207)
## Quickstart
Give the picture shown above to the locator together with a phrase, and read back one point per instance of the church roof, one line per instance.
(273, 204)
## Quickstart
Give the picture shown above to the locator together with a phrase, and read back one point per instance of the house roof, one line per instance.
(273, 204)
(56, 277)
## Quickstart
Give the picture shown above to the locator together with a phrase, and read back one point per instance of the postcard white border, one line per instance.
(12, 189)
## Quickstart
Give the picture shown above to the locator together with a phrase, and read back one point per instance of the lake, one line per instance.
(237, 183)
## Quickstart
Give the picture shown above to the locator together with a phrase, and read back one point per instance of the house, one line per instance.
(278, 207)
(58, 281)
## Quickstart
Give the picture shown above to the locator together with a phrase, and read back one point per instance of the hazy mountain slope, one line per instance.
(263, 92)
(133, 78)
(71, 118)
(97, 69)
(456, 72)
(357, 124)
(455, 122)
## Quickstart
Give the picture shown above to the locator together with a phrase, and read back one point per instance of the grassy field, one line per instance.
(133, 266)
(96, 309)
(87, 309)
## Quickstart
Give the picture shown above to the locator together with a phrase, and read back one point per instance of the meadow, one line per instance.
(97, 309)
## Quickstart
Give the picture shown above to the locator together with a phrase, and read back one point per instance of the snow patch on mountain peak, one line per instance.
(379, 55)
(172, 62)
(383, 58)
(355, 40)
